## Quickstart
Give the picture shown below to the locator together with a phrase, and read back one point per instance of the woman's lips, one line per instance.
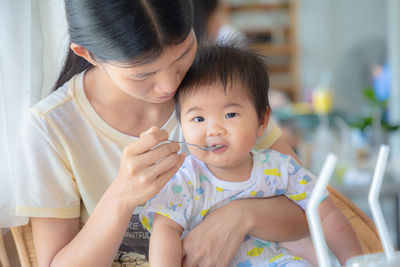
(166, 97)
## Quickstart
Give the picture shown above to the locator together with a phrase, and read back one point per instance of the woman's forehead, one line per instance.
(169, 55)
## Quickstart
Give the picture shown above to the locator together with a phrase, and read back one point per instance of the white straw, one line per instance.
(313, 214)
(373, 200)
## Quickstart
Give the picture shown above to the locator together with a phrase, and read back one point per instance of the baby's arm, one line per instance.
(338, 232)
(165, 242)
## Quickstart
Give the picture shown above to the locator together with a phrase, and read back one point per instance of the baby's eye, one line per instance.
(230, 115)
(198, 119)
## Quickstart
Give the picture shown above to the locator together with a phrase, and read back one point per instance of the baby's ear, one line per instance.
(264, 123)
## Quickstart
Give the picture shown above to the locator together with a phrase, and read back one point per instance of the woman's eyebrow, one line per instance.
(176, 60)
(184, 53)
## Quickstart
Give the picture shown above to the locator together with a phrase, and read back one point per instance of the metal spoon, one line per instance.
(198, 146)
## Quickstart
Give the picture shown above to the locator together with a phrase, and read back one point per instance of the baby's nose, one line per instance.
(215, 130)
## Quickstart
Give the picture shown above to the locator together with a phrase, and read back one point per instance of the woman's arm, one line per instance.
(143, 172)
(165, 243)
(60, 242)
(50, 235)
(276, 218)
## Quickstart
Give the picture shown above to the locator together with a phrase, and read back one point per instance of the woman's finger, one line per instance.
(151, 129)
(137, 163)
(158, 153)
(147, 141)
(150, 185)
(166, 176)
(172, 161)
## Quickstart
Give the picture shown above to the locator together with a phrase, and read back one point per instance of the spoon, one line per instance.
(198, 146)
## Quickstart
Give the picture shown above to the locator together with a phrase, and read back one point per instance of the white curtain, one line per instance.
(34, 41)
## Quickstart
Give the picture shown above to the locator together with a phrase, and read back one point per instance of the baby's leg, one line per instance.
(302, 248)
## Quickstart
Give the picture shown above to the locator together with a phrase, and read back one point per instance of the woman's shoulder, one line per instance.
(53, 101)
(56, 112)
(269, 137)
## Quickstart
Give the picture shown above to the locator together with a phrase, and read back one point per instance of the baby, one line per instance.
(223, 101)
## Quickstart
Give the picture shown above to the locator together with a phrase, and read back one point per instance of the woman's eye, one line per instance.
(230, 115)
(198, 119)
(142, 78)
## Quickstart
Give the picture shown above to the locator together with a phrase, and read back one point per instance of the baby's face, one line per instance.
(212, 117)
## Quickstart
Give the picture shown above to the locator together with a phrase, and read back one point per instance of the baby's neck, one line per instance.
(238, 173)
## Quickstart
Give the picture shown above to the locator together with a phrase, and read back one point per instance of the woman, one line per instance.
(91, 154)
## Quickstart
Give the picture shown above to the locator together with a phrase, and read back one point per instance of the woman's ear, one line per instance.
(263, 125)
(83, 52)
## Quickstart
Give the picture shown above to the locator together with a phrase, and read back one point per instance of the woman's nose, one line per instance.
(168, 83)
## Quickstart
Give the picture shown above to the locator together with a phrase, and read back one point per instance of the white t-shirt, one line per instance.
(68, 155)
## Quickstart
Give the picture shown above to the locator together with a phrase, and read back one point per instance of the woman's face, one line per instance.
(155, 82)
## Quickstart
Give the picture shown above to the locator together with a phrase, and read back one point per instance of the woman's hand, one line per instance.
(217, 238)
(146, 167)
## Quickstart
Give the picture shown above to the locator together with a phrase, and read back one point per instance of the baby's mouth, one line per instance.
(217, 146)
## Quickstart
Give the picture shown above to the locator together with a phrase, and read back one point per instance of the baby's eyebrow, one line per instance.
(227, 105)
(232, 104)
(195, 108)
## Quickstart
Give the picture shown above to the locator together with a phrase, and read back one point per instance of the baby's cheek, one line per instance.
(247, 141)
(191, 133)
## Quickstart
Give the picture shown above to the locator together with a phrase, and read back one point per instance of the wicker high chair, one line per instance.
(4, 262)
(361, 223)
(23, 240)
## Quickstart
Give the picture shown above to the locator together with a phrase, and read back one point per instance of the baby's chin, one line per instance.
(199, 154)
(227, 160)
(215, 160)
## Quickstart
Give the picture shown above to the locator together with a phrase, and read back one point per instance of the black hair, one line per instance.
(123, 32)
(229, 66)
(202, 10)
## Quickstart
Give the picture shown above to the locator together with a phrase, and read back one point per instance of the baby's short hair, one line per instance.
(229, 66)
